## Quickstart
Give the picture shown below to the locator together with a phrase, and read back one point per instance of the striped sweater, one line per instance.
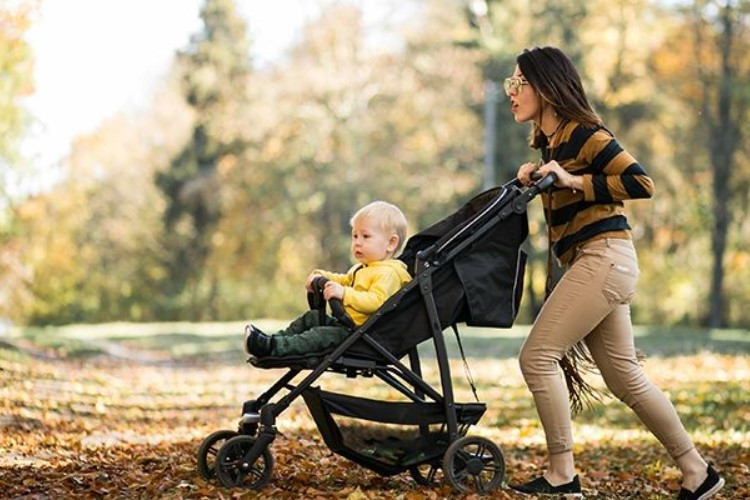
(610, 176)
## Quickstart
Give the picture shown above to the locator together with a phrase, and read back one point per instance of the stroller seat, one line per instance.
(351, 361)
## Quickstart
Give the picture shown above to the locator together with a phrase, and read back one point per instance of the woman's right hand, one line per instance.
(524, 173)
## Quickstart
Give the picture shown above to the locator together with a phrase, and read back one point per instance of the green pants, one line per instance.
(306, 335)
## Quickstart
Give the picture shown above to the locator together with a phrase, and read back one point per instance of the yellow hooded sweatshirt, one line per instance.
(368, 286)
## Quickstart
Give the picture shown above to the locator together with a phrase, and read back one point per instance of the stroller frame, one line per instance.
(259, 415)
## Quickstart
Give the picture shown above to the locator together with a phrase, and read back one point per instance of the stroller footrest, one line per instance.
(303, 362)
(345, 364)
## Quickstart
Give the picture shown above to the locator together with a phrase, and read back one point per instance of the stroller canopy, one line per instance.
(490, 270)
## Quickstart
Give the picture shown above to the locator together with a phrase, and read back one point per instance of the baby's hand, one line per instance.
(333, 290)
(308, 283)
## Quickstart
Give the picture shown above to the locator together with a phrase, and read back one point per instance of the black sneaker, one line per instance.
(257, 343)
(541, 486)
(707, 489)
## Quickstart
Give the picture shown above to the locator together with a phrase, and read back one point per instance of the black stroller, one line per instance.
(467, 268)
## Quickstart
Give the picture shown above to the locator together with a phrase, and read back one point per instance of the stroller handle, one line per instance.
(519, 204)
(316, 301)
(543, 183)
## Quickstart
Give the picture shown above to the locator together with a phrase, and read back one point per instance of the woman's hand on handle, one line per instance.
(524, 173)
(564, 178)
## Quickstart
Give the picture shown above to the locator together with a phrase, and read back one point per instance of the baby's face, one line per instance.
(370, 242)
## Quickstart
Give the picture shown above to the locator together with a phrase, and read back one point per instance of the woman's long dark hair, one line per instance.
(555, 78)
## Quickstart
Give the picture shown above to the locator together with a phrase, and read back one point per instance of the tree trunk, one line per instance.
(723, 145)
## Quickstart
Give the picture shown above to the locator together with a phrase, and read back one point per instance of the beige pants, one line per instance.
(591, 302)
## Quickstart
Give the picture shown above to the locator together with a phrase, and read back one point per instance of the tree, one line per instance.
(215, 70)
(338, 124)
(88, 246)
(16, 81)
(725, 82)
(712, 77)
(16, 68)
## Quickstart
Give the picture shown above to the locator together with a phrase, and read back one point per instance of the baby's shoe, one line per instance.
(257, 343)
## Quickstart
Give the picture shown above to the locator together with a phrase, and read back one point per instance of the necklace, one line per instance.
(557, 129)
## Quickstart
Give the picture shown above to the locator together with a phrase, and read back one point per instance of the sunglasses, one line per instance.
(512, 85)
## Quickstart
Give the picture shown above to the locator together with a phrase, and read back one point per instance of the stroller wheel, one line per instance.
(474, 464)
(426, 474)
(232, 470)
(207, 452)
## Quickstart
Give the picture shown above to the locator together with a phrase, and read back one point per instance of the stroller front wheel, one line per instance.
(474, 463)
(234, 471)
(208, 450)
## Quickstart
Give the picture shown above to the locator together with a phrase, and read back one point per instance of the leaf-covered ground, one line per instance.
(125, 420)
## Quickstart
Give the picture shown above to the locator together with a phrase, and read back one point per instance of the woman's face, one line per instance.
(525, 103)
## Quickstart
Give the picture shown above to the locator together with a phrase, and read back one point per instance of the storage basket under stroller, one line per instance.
(398, 443)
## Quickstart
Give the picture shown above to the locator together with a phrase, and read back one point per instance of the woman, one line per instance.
(590, 236)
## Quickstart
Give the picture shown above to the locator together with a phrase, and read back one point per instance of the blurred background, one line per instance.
(194, 160)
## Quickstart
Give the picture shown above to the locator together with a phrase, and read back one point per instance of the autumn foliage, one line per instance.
(214, 201)
(111, 417)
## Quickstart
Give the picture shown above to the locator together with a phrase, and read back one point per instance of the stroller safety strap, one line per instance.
(466, 365)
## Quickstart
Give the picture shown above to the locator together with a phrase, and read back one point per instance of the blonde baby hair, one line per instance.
(388, 216)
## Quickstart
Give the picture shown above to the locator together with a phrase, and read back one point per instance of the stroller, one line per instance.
(467, 268)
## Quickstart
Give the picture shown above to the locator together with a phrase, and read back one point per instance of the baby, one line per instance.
(378, 232)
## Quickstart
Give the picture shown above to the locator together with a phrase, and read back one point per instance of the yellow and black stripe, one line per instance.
(610, 176)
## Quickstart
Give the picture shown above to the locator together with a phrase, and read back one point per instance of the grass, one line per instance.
(182, 341)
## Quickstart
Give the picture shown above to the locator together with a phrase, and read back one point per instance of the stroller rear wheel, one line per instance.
(208, 449)
(474, 463)
(426, 474)
(233, 470)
